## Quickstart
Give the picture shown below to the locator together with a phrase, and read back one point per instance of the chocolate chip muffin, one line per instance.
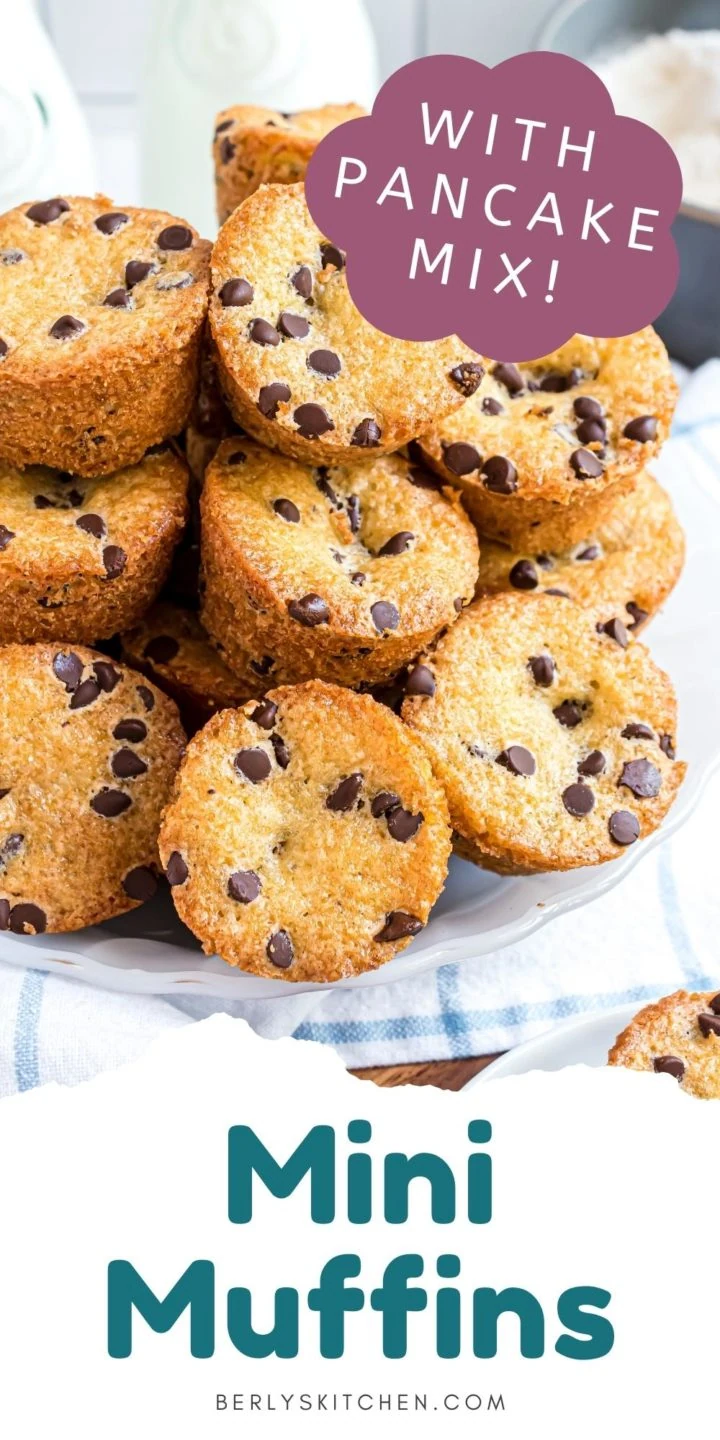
(678, 1036)
(300, 367)
(341, 573)
(81, 559)
(543, 452)
(625, 567)
(306, 838)
(552, 735)
(171, 646)
(101, 314)
(88, 751)
(254, 146)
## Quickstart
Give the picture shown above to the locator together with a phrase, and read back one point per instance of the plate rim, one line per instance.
(506, 1065)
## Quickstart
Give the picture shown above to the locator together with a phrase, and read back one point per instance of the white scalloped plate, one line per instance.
(150, 952)
(572, 1042)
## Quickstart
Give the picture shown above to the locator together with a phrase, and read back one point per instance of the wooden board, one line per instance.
(445, 1074)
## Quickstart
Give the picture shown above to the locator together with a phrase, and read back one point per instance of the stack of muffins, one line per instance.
(394, 588)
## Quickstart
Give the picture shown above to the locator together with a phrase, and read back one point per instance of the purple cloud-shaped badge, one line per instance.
(510, 206)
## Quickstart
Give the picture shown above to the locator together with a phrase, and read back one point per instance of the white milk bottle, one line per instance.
(206, 54)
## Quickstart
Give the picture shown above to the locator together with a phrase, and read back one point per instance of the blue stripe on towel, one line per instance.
(27, 1064)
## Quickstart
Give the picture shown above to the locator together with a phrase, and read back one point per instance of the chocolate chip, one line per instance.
(639, 616)
(636, 731)
(47, 210)
(279, 950)
(324, 362)
(499, 475)
(5, 537)
(176, 870)
(461, 458)
(114, 560)
(75, 497)
(9, 848)
(709, 1024)
(108, 677)
(114, 220)
(523, 575)
(87, 692)
(397, 544)
(555, 383)
(224, 125)
(227, 150)
(517, 760)
(715, 1004)
(310, 610)
(591, 552)
(585, 464)
(68, 668)
(423, 479)
(253, 763)
(132, 729)
(669, 1065)
(624, 827)
(491, 406)
(642, 777)
(25, 917)
(643, 429)
(402, 824)
(265, 714)
(140, 883)
(12, 257)
(357, 578)
(398, 925)
(118, 299)
(270, 397)
(593, 764)
(367, 434)
(138, 270)
(542, 669)
(467, 377)
(238, 457)
(175, 237)
(383, 803)
(420, 681)
(244, 886)
(302, 281)
(261, 667)
(510, 377)
(312, 421)
(587, 409)
(287, 511)
(324, 486)
(125, 764)
(592, 432)
(282, 754)
(146, 696)
(578, 799)
(330, 255)
(385, 616)
(110, 803)
(666, 745)
(294, 327)
(345, 795)
(568, 713)
(5, 792)
(263, 333)
(67, 328)
(41, 502)
(617, 632)
(92, 525)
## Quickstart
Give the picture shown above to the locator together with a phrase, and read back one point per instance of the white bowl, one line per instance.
(150, 952)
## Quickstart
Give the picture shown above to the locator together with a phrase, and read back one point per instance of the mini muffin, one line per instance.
(626, 567)
(254, 146)
(678, 1036)
(88, 752)
(342, 573)
(101, 315)
(553, 736)
(81, 559)
(306, 838)
(300, 367)
(543, 452)
(171, 647)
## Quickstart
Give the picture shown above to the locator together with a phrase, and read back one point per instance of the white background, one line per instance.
(101, 44)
